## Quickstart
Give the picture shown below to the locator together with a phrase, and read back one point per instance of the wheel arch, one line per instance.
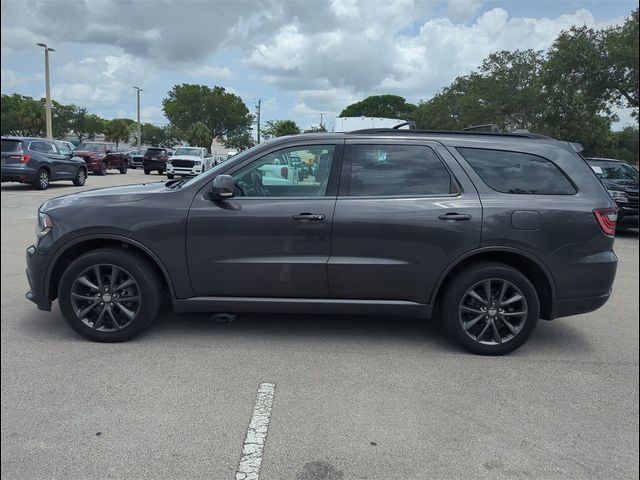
(529, 265)
(74, 248)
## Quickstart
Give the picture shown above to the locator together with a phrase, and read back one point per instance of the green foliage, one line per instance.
(239, 142)
(198, 135)
(22, 116)
(386, 106)
(280, 128)
(224, 114)
(316, 129)
(117, 130)
(85, 125)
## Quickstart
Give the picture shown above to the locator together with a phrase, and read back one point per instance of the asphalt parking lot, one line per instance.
(354, 397)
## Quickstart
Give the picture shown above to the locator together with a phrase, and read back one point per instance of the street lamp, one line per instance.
(47, 87)
(138, 90)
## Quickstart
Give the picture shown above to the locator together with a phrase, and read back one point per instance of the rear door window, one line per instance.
(394, 170)
(37, 147)
(518, 173)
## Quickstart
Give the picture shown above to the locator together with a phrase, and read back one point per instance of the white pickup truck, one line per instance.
(189, 161)
(282, 170)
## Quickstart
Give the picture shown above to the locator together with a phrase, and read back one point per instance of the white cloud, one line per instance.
(210, 71)
(11, 78)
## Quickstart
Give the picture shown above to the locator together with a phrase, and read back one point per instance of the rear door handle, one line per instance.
(309, 217)
(455, 217)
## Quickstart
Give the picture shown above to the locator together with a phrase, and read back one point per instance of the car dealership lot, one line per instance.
(355, 397)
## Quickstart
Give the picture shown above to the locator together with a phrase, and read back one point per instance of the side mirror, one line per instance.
(108, 151)
(222, 189)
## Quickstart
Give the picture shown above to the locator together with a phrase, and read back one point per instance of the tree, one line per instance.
(22, 116)
(85, 125)
(224, 114)
(239, 142)
(198, 135)
(117, 130)
(280, 128)
(386, 106)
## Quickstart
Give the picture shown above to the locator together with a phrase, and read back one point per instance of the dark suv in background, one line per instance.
(155, 158)
(621, 181)
(492, 231)
(39, 161)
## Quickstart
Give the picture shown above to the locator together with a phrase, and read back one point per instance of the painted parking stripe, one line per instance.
(249, 467)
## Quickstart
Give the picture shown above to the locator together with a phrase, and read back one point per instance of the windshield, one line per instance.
(613, 170)
(92, 147)
(188, 151)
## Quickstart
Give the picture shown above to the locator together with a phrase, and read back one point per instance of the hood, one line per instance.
(620, 185)
(102, 196)
(86, 153)
(186, 157)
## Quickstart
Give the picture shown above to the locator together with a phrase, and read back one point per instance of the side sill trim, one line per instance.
(303, 305)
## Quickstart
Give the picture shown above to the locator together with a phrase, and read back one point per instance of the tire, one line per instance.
(514, 320)
(170, 176)
(131, 317)
(81, 177)
(42, 179)
(123, 168)
(146, 171)
(103, 168)
(160, 172)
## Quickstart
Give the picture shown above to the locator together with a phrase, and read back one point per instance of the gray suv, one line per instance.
(490, 232)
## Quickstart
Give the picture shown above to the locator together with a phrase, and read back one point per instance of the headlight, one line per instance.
(44, 225)
(618, 196)
(197, 162)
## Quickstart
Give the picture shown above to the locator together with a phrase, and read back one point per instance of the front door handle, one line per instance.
(455, 217)
(309, 217)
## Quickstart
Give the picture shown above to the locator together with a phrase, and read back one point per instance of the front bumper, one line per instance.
(627, 214)
(36, 267)
(184, 170)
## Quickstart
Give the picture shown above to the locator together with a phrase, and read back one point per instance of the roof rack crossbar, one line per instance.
(375, 131)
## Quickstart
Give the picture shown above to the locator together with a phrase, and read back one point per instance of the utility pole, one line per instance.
(138, 90)
(47, 88)
(321, 115)
(258, 107)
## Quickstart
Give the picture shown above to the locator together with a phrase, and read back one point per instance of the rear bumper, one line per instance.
(577, 306)
(154, 165)
(18, 173)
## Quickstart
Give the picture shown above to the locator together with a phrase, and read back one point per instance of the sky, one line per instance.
(302, 58)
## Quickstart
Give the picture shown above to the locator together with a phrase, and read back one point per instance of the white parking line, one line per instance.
(249, 467)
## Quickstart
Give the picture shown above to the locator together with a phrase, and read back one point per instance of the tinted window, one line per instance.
(517, 173)
(11, 146)
(394, 170)
(37, 146)
(291, 172)
(49, 148)
(92, 147)
(155, 151)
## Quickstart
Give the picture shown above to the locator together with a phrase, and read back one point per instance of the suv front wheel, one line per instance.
(109, 295)
(490, 308)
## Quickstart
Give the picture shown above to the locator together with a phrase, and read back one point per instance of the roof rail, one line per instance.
(491, 126)
(381, 131)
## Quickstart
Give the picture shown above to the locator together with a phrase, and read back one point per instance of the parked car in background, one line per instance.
(621, 181)
(135, 158)
(102, 156)
(189, 161)
(155, 159)
(39, 161)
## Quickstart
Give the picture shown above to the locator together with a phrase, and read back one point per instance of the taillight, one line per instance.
(284, 171)
(607, 218)
(24, 158)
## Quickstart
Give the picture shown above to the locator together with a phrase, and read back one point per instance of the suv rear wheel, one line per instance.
(490, 308)
(109, 295)
(81, 177)
(42, 179)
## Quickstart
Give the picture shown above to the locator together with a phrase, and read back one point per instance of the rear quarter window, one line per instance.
(518, 173)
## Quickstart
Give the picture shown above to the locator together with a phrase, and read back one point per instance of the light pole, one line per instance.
(47, 88)
(138, 90)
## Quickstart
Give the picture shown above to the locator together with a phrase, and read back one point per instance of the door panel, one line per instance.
(397, 247)
(263, 244)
